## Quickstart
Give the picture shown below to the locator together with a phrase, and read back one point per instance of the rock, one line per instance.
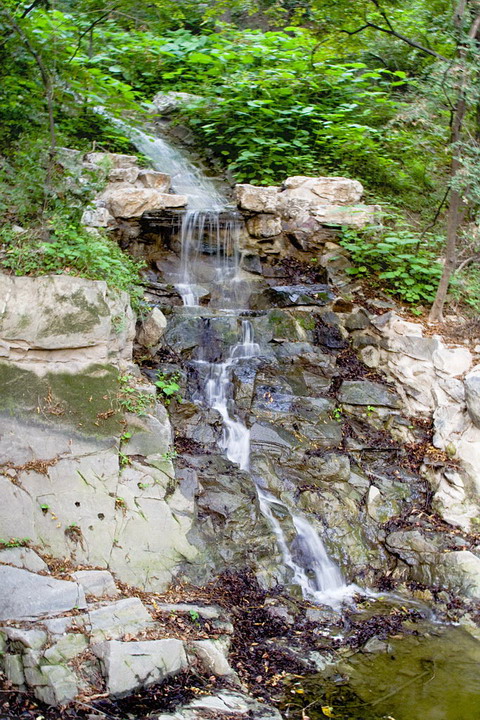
(67, 647)
(32, 639)
(452, 361)
(115, 160)
(330, 467)
(357, 320)
(59, 685)
(152, 328)
(127, 202)
(128, 666)
(257, 199)
(124, 175)
(207, 612)
(458, 571)
(98, 583)
(412, 547)
(264, 226)
(23, 557)
(338, 215)
(117, 619)
(472, 394)
(335, 190)
(26, 596)
(97, 217)
(365, 392)
(59, 321)
(168, 102)
(13, 668)
(227, 704)
(157, 180)
(212, 656)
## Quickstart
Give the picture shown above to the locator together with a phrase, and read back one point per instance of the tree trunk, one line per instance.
(456, 205)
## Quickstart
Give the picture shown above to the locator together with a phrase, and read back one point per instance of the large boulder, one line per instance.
(334, 190)
(257, 199)
(58, 322)
(131, 202)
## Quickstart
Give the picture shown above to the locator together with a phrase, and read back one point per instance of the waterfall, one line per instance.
(210, 227)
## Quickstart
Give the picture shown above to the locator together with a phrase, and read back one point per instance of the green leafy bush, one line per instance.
(70, 249)
(405, 263)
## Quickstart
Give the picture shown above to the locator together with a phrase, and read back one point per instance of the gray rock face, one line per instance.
(152, 328)
(25, 596)
(98, 583)
(58, 322)
(472, 394)
(168, 102)
(335, 190)
(224, 705)
(130, 665)
(365, 392)
(24, 558)
(115, 620)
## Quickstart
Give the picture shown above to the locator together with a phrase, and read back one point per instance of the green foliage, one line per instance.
(169, 387)
(465, 287)
(69, 249)
(404, 261)
(131, 398)
(14, 543)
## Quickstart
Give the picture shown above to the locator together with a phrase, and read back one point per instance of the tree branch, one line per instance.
(90, 27)
(394, 33)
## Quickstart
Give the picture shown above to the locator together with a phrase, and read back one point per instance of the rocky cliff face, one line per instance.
(340, 401)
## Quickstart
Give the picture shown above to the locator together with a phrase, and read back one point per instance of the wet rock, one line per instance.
(358, 320)
(23, 557)
(365, 392)
(168, 102)
(131, 665)
(472, 394)
(330, 467)
(98, 583)
(26, 596)
(152, 329)
(412, 547)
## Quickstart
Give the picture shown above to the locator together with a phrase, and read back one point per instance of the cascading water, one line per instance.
(203, 233)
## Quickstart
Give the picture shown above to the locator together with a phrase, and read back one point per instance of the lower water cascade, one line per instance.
(209, 265)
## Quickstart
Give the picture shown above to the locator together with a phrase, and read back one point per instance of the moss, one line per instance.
(83, 318)
(86, 401)
(282, 324)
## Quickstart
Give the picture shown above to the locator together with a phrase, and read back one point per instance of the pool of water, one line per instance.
(434, 675)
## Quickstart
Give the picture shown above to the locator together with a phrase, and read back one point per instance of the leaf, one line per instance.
(328, 711)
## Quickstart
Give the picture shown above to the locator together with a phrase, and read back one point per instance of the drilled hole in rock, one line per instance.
(90, 527)
(77, 504)
(101, 516)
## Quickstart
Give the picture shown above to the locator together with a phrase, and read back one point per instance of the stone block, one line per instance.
(124, 175)
(127, 202)
(117, 619)
(472, 394)
(157, 180)
(365, 392)
(23, 557)
(128, 666)
(98, 583)
(152, 328)
(264, 226)
(25, 596)
(334, 190)
(13, 669)
(257, 199)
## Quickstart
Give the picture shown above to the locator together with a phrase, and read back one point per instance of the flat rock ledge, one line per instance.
(58, 645)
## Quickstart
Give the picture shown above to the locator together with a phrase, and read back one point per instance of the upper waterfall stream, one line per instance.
(210, 231)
